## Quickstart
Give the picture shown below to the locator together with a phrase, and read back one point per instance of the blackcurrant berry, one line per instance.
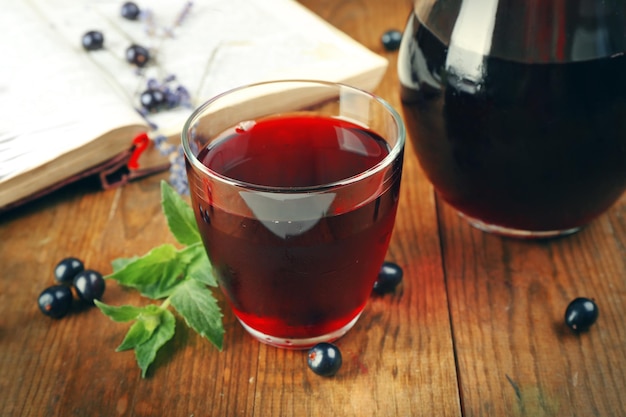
(130, 10)
(67, 269)
(55, 301)
(389, 277)
(93, 40)
(580, 314)
(324, 359)
(89, 285)
(391, 39)
(153, 99)
(137, 55)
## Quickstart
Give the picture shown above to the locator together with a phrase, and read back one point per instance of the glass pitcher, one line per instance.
(517, 109)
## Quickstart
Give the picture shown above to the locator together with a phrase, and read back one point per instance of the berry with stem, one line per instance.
(55, 301)
(324, 359)
(137, 55)
(89, 285)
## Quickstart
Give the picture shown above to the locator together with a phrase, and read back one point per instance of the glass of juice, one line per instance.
(517, 109)
(295, 186)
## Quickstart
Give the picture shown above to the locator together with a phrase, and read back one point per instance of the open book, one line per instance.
(67, 112)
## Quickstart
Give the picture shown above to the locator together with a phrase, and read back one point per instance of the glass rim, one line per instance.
(394, 152)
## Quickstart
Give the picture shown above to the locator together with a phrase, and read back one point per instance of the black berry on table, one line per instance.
(324, 359)
(93, 40)
(137, 55)
(89, 285)
(55, 301)
(153, 99)
(130, 10)
(67, 269)
(391, 39)
(581, 314)
(389, 277)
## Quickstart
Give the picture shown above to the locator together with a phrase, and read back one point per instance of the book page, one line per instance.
(56, 97)
(216, 46)
(52, 100)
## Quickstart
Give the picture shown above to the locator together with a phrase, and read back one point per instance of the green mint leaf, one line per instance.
(137, 334)
(180, 276)
(198, 264)
(196, 304)
(179, 215)
(147, 322)
(121, 313)
(120, 263)
(145, 353)
(155, 274)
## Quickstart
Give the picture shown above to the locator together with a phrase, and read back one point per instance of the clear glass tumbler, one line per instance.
(295, 186)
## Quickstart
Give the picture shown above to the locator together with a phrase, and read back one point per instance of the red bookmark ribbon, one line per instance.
(140, 144)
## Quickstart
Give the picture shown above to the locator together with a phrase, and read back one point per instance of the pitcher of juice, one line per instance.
(517, 109)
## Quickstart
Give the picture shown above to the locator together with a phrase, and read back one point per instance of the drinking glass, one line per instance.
(517, 109)
(295, 186)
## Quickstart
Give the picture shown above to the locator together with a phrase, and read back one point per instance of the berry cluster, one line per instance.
(158, 95)
(163, 95)
(137, 55)
(56, 300)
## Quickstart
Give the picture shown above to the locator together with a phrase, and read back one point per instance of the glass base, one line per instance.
(517, 233)
(298, 344)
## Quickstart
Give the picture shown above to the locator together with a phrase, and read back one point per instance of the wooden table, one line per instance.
(475, 330)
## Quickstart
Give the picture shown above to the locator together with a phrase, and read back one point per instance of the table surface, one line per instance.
(476, 329)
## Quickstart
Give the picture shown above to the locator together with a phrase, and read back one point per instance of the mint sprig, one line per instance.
(178, 277)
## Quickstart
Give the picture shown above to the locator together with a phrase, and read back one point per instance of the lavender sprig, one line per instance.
(178, 173)
(169, 31)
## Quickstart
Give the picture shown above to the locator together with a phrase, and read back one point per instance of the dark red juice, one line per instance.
(526, 146)
(304, 276)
